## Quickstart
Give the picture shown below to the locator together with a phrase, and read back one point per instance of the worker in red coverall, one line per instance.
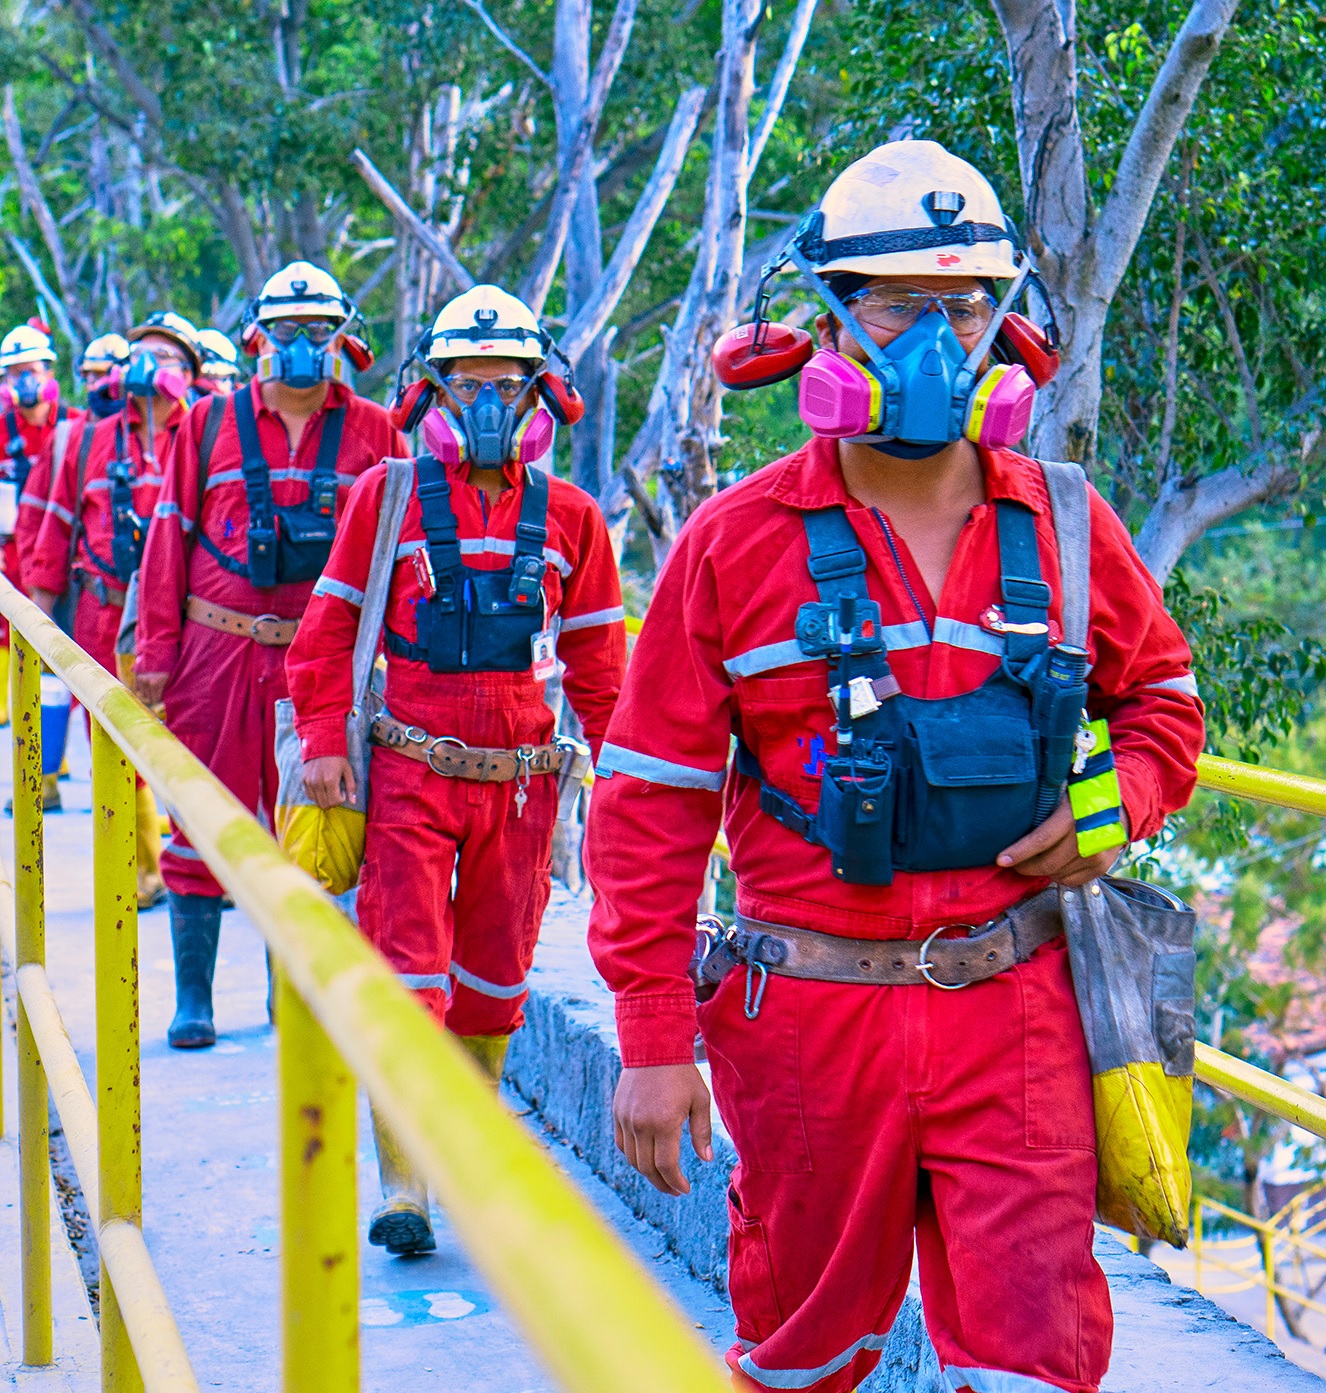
(871, 1110)
(227, 576)
(33, 416)
(527, 556)
(96, 518)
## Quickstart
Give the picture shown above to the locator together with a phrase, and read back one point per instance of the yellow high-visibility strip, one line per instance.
(584, 1302)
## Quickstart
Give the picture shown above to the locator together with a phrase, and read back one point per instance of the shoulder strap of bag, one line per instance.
(322, 483)
(84, 449)
(61, 415)
(257, 477)
(837, 562)
(395, 499)
(1071, 506)
(60, 446)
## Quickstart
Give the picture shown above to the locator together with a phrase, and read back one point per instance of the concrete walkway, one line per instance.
(211, 1183)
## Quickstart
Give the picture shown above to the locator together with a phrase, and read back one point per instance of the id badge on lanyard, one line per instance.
(543, 650)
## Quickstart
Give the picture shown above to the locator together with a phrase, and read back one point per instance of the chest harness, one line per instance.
(477, 621)
(284, 544)
(128, 530)
(20, 463)
(922, 784)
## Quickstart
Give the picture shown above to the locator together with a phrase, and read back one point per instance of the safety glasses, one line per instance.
(466, 389)
(318, 331)
(162, 357)
(900, 306)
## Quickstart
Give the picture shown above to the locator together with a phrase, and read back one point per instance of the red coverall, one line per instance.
(862, 1115)
(101, 595)
(222, 695)
(476, 948)
(38, 442)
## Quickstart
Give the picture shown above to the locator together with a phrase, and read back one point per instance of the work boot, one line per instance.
(195, 928)
(400, 1224)
(488, 1052)
(151, 888)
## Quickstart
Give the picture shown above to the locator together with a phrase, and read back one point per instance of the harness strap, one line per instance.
(1071, 506)
(439, 520)
(76, 532)
(1026, 595)
(837, 561)
(253, 464)
(532, 527)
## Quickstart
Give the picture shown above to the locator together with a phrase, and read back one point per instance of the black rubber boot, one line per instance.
(195, 928)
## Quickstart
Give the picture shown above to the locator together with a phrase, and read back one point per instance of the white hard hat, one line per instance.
(910, 208)
(174, 327)
(25, 345)
(105, 351)
(301, 289)
(487, 322)
(220, 356)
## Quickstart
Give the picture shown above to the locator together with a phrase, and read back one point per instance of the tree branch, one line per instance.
(538, 282)
(507, 41)
(52, 297)
(597, 310)
(1152, 140)
(782, 80)
(1170, 417)
(1246, 378)
(429, 238)
(99, 36)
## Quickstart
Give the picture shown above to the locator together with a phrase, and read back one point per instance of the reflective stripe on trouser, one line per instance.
(870, 1118)
(422, 828)
(221, 702)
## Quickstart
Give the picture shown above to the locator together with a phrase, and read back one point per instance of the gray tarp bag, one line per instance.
(1131, 949)
(328, 843)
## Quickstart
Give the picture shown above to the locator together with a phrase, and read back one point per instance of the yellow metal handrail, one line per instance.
(586, 1305)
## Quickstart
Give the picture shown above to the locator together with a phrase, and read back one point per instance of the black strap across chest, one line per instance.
(257, 475)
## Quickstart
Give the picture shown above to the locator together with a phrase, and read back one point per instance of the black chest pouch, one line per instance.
(478, 621)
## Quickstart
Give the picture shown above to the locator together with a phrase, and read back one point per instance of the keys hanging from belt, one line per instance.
(523, 755)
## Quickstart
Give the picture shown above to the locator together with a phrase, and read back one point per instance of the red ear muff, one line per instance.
(248, 340)
(407, 411)
(755, 355)
(561, 398)
(358, 352)
(1021, 341)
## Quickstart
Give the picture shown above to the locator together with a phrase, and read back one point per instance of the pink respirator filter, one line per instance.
(442, 437)
(1000, 408)
(838, 397)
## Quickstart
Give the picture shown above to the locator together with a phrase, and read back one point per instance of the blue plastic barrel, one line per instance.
(54, 722)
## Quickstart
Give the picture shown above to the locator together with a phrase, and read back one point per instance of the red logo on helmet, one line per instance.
(948, 259)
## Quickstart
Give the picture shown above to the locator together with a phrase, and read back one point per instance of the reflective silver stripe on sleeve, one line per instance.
(423, 981)
(32, 500)
(408, 549)
(325, 585)
(96, 485)
(477, 984)
(494, 546)
(593, 619)
(1187, 684)
(185, 853)
(956, 634)
(615, 759)
(764, 659)
(995, 1381)
(168, 510)
(224, 476)
(805, 1378)
(63, 514)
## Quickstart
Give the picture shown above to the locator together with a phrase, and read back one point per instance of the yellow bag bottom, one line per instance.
(328, 843)
(1142, 1122)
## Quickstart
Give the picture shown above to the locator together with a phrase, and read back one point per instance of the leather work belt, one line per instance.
(105, 593)
(453, 759)
(984, 951)
(270, 630)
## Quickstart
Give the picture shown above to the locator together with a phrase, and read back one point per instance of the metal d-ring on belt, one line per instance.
(950, 964)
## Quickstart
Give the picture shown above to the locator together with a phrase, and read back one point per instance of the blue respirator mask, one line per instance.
(148, 378)
(489, 425)
(27, 390)
(299, 363)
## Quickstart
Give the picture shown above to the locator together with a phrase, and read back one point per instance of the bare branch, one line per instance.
(782, 80)
(597, 310)
(1170, 417)
(1152, 141)
(429, 238)
(52, 297)
(99, 36)
(507, 41)
(1246, 378)
(539, 280)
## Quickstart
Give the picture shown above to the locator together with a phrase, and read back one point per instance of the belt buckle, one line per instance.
(441, 740)
(262, 619)
(924, 964)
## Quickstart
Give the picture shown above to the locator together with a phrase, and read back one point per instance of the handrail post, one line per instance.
(319, 1218)
(1268, 1250)
(1197, 1241)
(34, 1162)
(119, 1110)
